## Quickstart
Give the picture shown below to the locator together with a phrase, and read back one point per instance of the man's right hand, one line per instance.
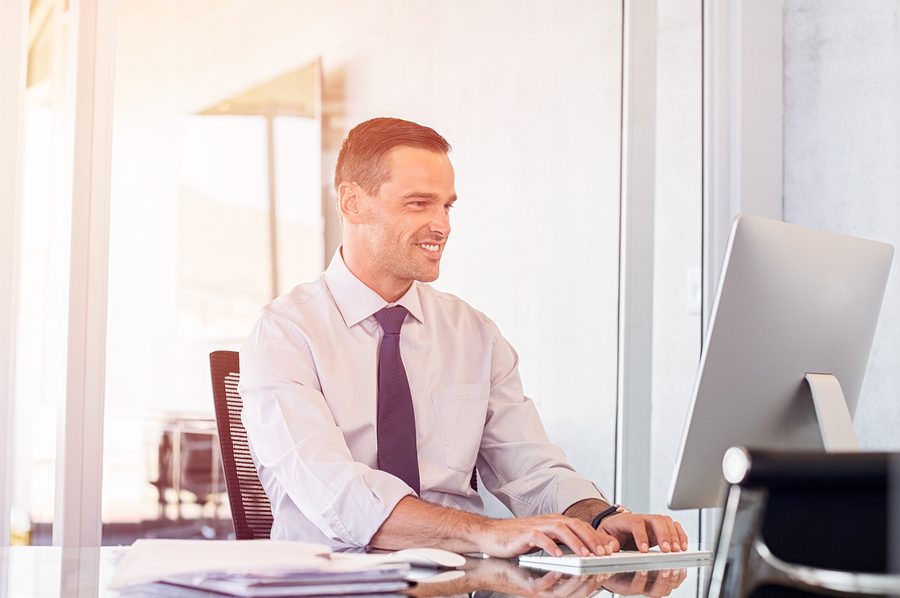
(512, 537)
(414, 522)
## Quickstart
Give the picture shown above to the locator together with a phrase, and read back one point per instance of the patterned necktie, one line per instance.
(396, 419)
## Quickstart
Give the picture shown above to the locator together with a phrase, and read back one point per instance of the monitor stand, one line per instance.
(838, 435)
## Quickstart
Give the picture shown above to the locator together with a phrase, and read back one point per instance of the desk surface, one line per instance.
(81, 573)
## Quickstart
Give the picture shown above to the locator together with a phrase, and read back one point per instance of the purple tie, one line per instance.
(396, 419)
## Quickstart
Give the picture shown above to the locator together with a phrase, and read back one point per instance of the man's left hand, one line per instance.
(640, 532)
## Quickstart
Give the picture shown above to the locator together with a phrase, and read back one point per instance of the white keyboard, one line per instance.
(624, 560)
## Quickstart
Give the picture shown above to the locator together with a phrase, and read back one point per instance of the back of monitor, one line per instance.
(791, 300)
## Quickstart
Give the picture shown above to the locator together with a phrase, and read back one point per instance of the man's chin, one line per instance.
(429, 275)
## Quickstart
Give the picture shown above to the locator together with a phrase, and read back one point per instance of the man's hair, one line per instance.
(364, 154)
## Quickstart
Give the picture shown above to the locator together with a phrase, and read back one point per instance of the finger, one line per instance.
(673, 534)
(682, 536)
(572, 586)
(605, 543)
(618, 583)
(546, 582)
(612, 544)
(639, 582)
(661, 531)
(597, 541)
(544, 542)
(662, 585)
(563, 533)
(639, 533)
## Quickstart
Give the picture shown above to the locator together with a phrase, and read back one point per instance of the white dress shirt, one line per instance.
(309, 385)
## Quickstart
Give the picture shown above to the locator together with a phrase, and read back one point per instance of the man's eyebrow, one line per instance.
(425, 195)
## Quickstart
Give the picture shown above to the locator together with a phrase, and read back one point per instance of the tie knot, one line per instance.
(391, 318)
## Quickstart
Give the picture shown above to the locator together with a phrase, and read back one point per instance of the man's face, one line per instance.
(408, 220)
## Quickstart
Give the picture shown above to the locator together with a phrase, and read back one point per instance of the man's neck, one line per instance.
(388, 289)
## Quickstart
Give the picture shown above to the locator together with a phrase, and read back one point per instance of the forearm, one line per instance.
(414, 522)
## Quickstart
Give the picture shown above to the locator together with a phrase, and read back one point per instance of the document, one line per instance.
(385, 578)
(263, 568)
(153, 560)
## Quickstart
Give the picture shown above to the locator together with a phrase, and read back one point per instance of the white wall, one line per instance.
(529, 96)
(842, 158)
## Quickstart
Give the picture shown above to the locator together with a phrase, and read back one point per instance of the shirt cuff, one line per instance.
(572, 490)
(360, 508)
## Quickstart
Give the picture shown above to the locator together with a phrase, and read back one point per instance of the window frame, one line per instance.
(13, 55)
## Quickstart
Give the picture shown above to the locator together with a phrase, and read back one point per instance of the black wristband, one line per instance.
(611, 510)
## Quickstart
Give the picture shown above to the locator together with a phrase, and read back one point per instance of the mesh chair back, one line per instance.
(251, 511)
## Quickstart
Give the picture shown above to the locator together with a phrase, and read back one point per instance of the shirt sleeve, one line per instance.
(517, 462)
(293, 434)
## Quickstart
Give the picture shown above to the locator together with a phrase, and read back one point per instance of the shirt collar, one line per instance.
(356, 301)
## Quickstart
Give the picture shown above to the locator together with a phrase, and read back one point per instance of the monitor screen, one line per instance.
(791, 301)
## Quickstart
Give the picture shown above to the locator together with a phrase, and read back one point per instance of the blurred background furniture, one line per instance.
(251, 511)
(189, 469)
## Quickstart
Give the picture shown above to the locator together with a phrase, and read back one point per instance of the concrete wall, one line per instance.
(842, 158)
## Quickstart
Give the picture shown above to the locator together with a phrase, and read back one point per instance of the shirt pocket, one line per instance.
(461, 410)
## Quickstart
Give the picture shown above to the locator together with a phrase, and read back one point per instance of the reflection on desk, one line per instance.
(501, 577)
(79, 573)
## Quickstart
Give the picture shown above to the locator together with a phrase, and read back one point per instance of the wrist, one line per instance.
(586, 509)
(472, 530)
(609, 511)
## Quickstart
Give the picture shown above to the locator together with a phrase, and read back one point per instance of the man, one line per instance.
(370, 397)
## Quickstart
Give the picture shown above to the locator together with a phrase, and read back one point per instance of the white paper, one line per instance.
(154, 560)
(159, 560)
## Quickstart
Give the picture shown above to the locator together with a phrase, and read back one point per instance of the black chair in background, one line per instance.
(187, 461)
(251, 511)
(805, 524)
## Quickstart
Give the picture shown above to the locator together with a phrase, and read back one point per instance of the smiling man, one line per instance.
(370, 397)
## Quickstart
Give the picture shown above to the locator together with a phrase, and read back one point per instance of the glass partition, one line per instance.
(215, 209)
(221, 199)
(43, 274)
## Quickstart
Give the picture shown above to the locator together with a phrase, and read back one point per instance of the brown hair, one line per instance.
(364, 154)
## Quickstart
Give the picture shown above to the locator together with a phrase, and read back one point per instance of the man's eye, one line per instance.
(418, 204)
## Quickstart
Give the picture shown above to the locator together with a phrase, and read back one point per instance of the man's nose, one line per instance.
(440, 222)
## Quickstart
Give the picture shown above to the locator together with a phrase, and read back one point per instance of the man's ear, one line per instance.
(350, 202)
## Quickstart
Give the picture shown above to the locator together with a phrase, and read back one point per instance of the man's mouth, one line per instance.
(430, 247)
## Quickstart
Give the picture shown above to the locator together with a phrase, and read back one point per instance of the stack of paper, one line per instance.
(375, 580)
(258, 568)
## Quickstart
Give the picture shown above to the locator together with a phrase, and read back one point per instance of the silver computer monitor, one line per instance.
(785, 352)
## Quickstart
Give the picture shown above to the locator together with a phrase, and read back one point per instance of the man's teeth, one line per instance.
(429, 247)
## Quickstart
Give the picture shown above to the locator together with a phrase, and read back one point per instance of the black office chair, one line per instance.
(251, 512)
(199, 471)
(805, 524)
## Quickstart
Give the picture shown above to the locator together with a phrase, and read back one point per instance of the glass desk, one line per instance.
(39, 572)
